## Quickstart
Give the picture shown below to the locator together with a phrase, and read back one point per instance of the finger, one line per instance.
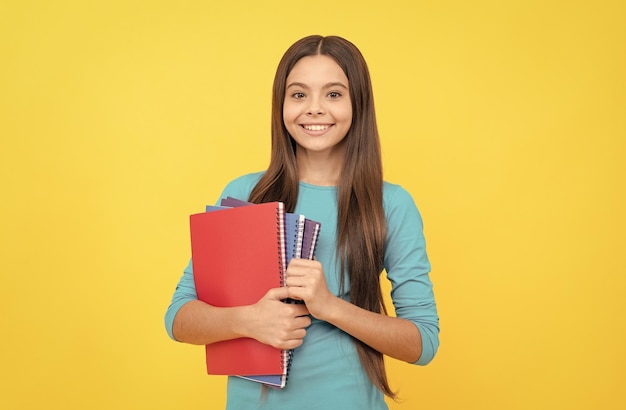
(295, 270)
(277, 293)
(302, 322)
(301, 310)
(298, 310)
(300, 281)
(290, 344)
(297, 264)
(291, 340)
(298, 334)
(296, 292)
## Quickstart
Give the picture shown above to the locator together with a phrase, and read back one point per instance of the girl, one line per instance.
(326, 164)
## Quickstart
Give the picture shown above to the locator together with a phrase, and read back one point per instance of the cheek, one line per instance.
(288, 116)
(289, 119)
(347, 114)
(290, 109)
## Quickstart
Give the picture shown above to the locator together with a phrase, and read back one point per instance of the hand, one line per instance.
(279, 324)
(305, 281)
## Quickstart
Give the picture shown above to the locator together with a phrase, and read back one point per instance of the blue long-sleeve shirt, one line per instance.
(325, 371)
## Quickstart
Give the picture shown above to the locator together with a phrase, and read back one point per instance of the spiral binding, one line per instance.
(280, 232)
(282, 262)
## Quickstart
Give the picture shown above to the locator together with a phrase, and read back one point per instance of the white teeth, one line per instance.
(315, 127)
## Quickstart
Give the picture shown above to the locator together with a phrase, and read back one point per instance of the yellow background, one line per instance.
(505, 120)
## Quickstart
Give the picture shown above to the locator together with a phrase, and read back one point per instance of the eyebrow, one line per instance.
(327, 85)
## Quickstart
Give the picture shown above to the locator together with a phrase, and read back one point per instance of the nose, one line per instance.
(315, 107)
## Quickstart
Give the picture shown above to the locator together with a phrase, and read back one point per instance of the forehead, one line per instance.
(316, 69)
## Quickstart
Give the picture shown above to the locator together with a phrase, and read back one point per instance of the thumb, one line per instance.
(278, 293)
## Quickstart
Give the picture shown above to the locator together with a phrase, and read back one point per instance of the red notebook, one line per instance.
(238, 254)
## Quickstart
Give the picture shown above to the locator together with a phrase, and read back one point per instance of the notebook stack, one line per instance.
(240, 251)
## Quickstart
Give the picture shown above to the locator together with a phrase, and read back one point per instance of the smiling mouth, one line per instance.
(315, 127)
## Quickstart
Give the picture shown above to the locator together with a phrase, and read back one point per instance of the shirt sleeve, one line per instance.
(185, 292)
(186, 289)
(408, 268)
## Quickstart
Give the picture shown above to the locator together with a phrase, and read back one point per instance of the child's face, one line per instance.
(317, 110)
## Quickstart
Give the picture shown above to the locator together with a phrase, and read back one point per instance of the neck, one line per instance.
(321, 170)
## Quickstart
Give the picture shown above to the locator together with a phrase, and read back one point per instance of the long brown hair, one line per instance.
(361, 225)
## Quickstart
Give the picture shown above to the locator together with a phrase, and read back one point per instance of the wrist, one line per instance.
(242, 319)
(332, 309)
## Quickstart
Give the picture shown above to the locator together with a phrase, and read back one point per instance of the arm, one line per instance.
(199, 323)
(269, 321)
(413, 335)
(392, 336)
(408, 270)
